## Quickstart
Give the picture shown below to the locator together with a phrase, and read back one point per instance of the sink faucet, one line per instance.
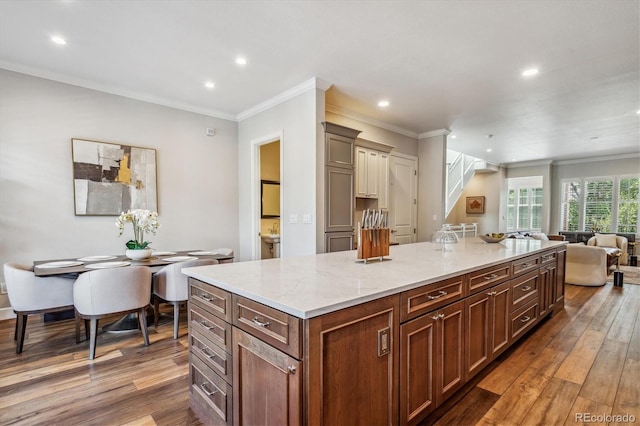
(274, 230)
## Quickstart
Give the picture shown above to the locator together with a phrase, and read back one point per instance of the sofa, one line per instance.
(586, 265)
(612, 243)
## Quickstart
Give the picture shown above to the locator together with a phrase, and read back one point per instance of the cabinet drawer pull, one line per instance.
(525, 319)
(259, 323)
(526, 265)
(205, 325)
(208, 353)
(205, 297)
(526, 288)
(544, 259)
(492, 293)
(440, 294)
(205, 389)
(490, 277)
(291, 369)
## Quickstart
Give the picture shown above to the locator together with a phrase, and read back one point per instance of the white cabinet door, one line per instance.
(372, 174)
(403, 195)
(361, 172)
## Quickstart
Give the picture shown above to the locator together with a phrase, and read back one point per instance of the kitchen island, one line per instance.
(327, 340)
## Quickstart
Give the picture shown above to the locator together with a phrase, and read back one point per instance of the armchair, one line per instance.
(611, 241)
(586, 265)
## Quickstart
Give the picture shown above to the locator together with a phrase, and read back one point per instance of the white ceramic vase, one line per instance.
(139, 254)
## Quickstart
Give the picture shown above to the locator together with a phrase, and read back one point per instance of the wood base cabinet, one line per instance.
(487, 327)
(431, 366)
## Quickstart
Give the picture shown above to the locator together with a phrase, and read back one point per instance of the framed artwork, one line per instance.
(475, 205)
(110, 178)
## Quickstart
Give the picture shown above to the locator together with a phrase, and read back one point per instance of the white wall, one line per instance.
(432, 154)
(197, 177)
(296, 120)
(491, 186)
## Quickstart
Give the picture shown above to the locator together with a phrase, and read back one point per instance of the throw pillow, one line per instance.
(539, 236)
(606, 240)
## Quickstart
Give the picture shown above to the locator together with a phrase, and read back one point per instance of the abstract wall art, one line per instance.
(111, 178)
(475, 205)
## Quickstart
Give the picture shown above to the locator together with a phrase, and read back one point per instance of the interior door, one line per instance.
(403, 194)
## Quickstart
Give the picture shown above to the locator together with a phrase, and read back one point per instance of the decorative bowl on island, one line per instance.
(492, 238)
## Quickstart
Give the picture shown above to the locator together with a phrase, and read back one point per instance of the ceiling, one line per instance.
(453, 64)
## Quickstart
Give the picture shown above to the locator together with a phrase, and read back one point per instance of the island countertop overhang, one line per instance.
(309, 286)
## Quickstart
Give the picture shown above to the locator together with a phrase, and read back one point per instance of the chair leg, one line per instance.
(21, 324)
(94, 338)
(176, 318)
(142, 319)
(156, 310)
(87, 324)
(77, 320)
(15, 332)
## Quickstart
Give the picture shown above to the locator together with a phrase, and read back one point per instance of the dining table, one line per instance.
(74, 266)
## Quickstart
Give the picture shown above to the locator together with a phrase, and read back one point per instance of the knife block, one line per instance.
(374, 243)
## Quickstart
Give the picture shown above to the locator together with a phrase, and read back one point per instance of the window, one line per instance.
(524, 204)
(606, 204)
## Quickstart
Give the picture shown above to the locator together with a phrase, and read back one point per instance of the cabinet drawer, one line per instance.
(488, 277)
(523, 320)
(211, 392)
(271, 325)
(212, 328)
(212, 355)
(211, 298)
(524, 289)
(548, 256)
(525, 265)
(421, 300)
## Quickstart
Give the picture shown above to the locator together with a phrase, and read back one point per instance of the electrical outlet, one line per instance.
(3, 288)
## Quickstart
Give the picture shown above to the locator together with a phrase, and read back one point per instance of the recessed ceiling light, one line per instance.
(209, 85)
(383, 103)
(638, 112)
(514, 159)
(530, 72)
(58, 40)
(453, 136)
(241, 61)
(489, 150)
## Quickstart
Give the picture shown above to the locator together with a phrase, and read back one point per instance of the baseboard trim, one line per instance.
(7, 313)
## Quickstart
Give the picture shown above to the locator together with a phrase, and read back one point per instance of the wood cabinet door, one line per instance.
(547, 288)
(501, 317)
(352, 365)
(450, 351)
(267, 383)
(478, 332)
(417, 357)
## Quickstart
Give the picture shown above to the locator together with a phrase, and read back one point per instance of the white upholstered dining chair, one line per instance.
(171, 286)
(29, 294)
(107, 291)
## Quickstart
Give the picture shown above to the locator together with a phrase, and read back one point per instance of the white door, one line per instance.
(403, 193)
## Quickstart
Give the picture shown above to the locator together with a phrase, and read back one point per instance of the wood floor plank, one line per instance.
(554, 404)
(583, 407)
(602, 381)
(627, 399)
(470, 410)
(518, 399)
(577, 364)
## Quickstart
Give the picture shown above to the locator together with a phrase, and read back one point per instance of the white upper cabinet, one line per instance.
(372, 174)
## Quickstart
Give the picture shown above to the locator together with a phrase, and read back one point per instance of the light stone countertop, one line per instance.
(308, 286)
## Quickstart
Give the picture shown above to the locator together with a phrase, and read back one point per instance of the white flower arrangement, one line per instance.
(142, 221)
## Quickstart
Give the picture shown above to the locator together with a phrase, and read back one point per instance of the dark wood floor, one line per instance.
(585, 359)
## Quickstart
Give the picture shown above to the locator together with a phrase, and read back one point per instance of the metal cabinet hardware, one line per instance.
(526, 288)
(525, 319)
(205, 325)
(205, 297)
(259, 323)
(205, 389)
(291, 369)
(490, 277)
(440, 294)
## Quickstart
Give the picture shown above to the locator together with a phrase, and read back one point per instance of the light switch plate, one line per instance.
(306, 218)
(293, 218)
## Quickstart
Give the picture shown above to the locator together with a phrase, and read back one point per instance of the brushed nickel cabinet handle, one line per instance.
(208, 353)
(205, 325)
(291, 369)
(440, 294)
(204, 297)
(490, 277)
(259, 323)
(526, 288)
(206, 390)
(525, 319)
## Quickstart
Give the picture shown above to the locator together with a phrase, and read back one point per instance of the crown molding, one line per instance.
(368, 120)
(595, 159)
(36, 72)
(432, 133)
(312, 83)
(527, 164)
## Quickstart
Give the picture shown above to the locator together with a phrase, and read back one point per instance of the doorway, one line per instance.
(268, 195)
